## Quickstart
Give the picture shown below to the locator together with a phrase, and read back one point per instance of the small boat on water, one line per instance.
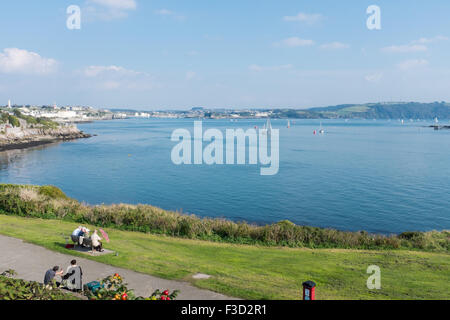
(289, 124)
(321, 131)
(267, 129)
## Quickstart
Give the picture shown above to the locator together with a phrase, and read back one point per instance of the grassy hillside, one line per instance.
(51, 203)
(246, 261)
(411, 110)
(255, 272)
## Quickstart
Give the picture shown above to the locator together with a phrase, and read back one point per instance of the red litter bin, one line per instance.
(309, 290)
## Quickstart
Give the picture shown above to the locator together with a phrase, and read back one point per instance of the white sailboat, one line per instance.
(289, 124)
(321, 131)
(436, 124)
(267, 129)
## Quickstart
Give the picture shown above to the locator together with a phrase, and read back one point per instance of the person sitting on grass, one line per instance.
(83, 235)
(96, 242)
(50, 275)
(76, 234)
(73, 279)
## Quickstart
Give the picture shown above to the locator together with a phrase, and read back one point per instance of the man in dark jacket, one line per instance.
(51, 274)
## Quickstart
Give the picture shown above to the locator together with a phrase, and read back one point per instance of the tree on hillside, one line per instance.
(4, 117)
(13, 121)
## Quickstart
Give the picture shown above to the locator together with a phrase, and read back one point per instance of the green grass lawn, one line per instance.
(253, 272)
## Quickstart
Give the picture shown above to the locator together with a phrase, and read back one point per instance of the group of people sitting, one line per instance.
(71, 280)
(81, 237)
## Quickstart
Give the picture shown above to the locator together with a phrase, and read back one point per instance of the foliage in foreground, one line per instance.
(15, 289)
(51, 203)
(256, 272)
(113, 288)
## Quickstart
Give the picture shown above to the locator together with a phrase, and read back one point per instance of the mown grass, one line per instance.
(51, 203)
(256, 272)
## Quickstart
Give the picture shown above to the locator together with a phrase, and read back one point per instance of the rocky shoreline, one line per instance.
(29, 138)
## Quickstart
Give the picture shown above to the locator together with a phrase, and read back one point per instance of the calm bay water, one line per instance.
(377, 176)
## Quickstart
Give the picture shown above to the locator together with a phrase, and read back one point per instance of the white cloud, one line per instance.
(108, 9)
(375, 77)
(335, 46)
(116, 77)
(14, 60)
(109, 85)
(94, 71)
(431, 40)
(304, 17)
(415, 45)
(117, 4)
(190, 75)
(294, 42)
(258, 68)
(413, 64)
(169, 13)
(164, 12)
(405, 48)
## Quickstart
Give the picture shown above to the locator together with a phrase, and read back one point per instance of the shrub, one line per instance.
(13, 121)
(52, 192)
(14, 289)
(51, 203)
(4, 117)
(44, 122)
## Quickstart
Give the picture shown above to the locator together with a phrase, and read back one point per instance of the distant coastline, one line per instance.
(39, 140)
(35, 140)
(408, 111)
(413, 111)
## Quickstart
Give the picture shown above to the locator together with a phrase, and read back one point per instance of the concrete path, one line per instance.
(31, 262)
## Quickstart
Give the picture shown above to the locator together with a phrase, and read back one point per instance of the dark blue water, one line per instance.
(377, 176)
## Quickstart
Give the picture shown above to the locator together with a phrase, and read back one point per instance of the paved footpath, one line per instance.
(31, 262)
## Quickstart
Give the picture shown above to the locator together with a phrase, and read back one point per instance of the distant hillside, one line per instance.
(411, 110)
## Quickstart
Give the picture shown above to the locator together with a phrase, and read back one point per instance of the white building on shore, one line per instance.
(142, 115)
(60, 115)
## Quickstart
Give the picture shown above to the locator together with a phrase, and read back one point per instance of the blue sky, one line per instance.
(152, 54)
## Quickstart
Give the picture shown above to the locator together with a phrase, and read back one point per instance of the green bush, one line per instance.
(52, 192)
(4, 117)
(15, 289)
(13, 121)
(45, 123)
(51, 203)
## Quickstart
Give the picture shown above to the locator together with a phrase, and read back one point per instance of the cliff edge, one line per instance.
(24, 136)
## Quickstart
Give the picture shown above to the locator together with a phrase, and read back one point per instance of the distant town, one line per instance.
(385, 110)
(87, 114)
